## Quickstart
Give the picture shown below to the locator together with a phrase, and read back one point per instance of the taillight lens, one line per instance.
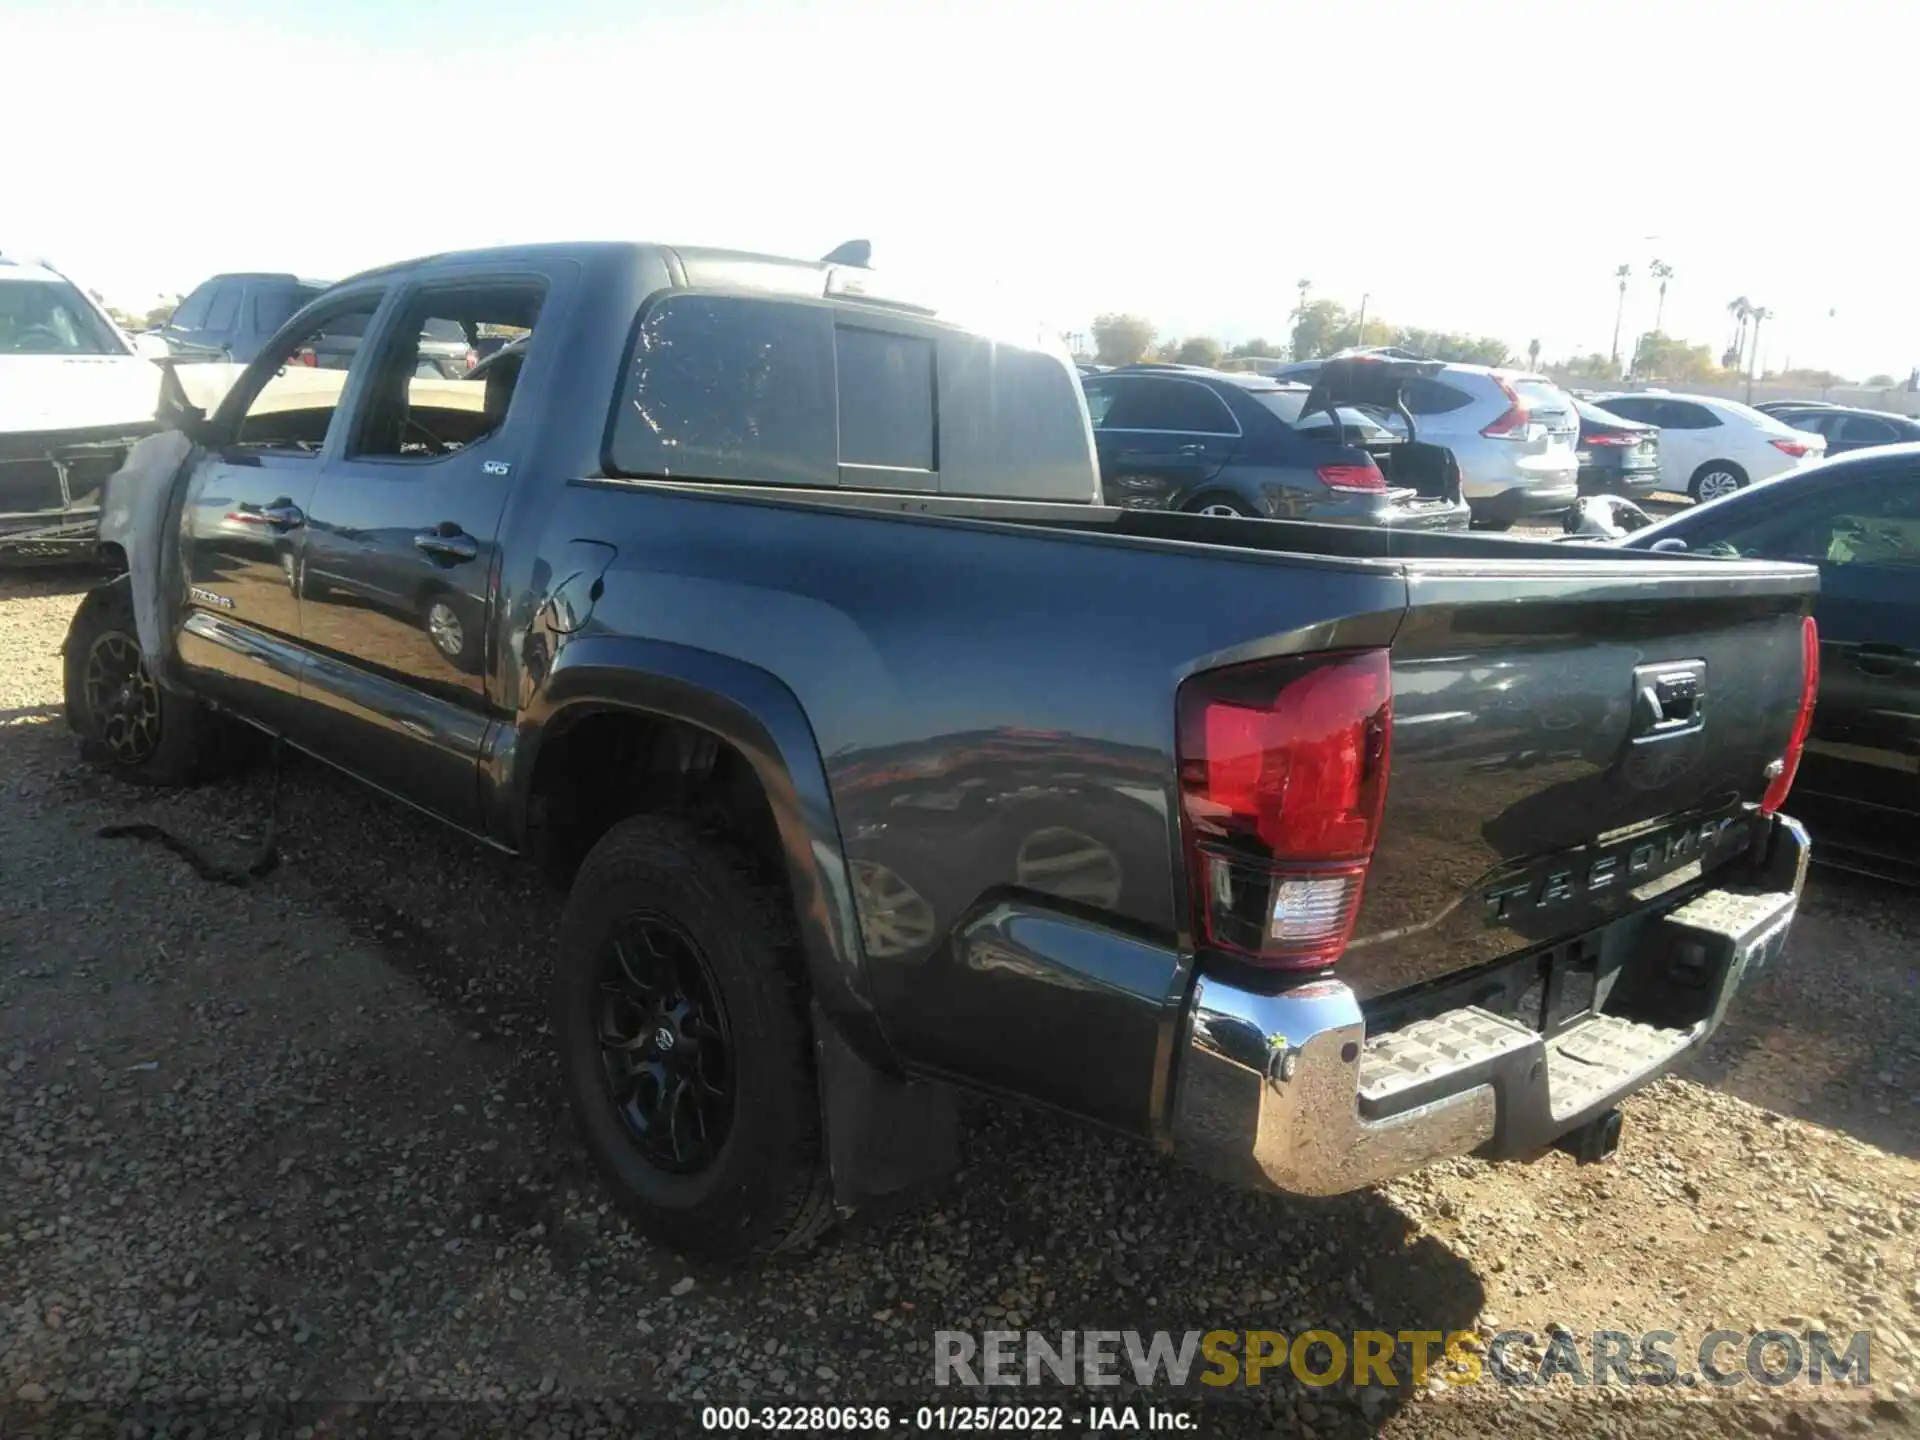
(471, 359)
(1513, 424)
(1283, 773)
(1778, 787)
(1366, 478)
(1605, 437)
(1795, 448)
(305, 356)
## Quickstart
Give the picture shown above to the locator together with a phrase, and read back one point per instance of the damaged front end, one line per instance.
(51, 482)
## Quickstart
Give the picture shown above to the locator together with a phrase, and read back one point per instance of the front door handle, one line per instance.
(447, 544)
(1193, 449)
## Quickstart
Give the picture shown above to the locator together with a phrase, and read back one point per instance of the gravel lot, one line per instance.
(304, 1142)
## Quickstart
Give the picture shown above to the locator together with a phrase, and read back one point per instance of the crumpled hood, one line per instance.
(74, 392)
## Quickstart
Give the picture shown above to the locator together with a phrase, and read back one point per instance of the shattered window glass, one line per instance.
(728, 387)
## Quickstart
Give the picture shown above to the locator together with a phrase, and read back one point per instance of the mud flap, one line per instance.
(886, 1135)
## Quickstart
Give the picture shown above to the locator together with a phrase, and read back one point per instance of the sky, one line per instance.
(1464, 166)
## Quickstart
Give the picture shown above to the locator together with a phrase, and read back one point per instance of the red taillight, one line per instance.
(305, 356)
(1283, 772)
(1609, 438)
(1513, 424)
(1365, 478)
(472, 358)
(1778, 787)
(1795, 448)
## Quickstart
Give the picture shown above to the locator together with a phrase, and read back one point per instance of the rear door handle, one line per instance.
(448, 545)
(1884, 659)
(1193, 449)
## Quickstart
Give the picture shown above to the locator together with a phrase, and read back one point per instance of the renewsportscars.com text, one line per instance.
(1720, 1358)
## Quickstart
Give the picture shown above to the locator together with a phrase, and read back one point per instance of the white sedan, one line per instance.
(1711, 447)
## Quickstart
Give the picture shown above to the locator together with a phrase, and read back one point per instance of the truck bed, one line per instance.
(991, 688)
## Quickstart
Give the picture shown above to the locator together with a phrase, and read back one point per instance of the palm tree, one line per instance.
(1619, 309)
(1533, 354)
(1741, 309)
(1662, 272)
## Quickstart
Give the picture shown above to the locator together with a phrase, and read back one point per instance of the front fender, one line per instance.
(756, 713)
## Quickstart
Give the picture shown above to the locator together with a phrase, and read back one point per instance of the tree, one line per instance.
(161, 313)
(1591, 366)
(1318, 326)
(1533, 354)
(1258, 348)
(1621, 273)
(1741, 309)
(1199, 350)
(1121, 339)
(1662, 272)
(1456, 347)
(1817, 379)
(1880, 380)
(1660, 357)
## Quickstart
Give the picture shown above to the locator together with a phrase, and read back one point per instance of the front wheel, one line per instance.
(128, 725)
(1715, 479)
(685, 1045)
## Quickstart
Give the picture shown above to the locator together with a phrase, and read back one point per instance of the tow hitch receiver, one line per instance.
(1595, 1140)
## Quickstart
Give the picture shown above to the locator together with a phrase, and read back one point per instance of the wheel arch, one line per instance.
(610, 680)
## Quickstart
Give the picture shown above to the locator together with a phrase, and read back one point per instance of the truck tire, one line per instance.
(685, 1045)
(128, 726)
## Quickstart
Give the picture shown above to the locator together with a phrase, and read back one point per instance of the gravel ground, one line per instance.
(303, 1142)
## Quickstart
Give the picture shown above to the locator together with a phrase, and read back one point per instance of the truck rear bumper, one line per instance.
(1289, 1091)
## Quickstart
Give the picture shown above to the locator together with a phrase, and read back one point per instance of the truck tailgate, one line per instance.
(1534, 790)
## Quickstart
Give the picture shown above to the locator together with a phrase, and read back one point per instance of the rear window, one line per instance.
(446, 331)
(792, 392)
(1541, 394)
(274, 306)
(1287, 404)
(886, 398)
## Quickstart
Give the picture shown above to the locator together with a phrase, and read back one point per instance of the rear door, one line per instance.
(1690, 435)
(244, 524)
(397, 576)
(1160, 438)
(1855, 432)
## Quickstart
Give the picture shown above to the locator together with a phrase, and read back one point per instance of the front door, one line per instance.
(397, 575)
(1160, 439)
(244, 529)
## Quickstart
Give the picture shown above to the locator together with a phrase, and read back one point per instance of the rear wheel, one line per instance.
(1222, 505)
(1716, 478)
(685, 1043)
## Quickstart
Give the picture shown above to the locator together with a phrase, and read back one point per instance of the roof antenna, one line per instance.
(854, 252)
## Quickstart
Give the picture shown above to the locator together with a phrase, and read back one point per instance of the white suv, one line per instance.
(1711, 447)
(74, 393)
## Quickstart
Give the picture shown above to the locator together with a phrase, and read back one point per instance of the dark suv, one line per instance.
(231, 316)
(1176, 437)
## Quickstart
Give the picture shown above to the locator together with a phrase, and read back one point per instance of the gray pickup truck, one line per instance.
(775, 614)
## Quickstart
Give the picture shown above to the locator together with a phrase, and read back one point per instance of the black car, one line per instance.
(231, 316)
(1849, 429)
(1179, 437)
(1775, 407)
(1858, 520)
(1618, 456)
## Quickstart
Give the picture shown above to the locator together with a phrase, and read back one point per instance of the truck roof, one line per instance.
(702, 263)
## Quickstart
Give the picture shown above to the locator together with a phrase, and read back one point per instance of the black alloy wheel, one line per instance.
(666, 1052)
(122, 698)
